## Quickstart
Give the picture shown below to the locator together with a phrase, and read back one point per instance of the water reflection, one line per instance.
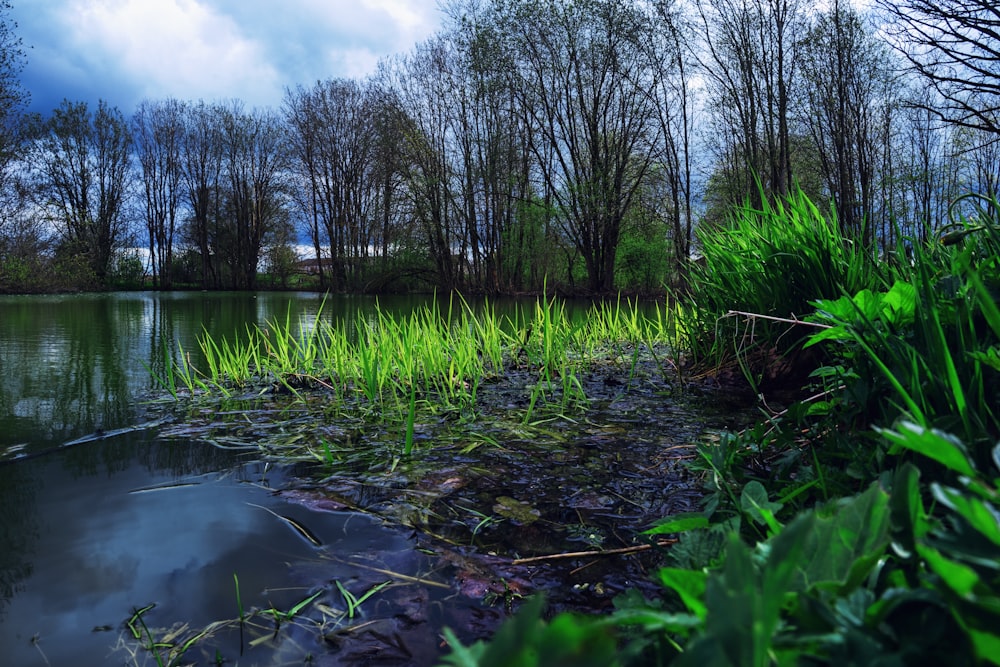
(93, 532)
(80, 545)
(75, 365)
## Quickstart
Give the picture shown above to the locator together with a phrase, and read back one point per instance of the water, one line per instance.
(71, 366)
(100, 517)
(105, 514)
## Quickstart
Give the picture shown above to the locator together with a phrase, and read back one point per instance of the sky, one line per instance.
(124, 51)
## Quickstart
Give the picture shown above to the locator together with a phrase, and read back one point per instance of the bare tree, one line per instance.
(334, 142)
(846, 83)
(580, 76)
(21, 234)
(954, 46)
(491, 155)
(254, 165)
(13, 100)
(158, 129)
(423, 90)
(82, 161)
(201, 155)
(749, 57)
(670, 61)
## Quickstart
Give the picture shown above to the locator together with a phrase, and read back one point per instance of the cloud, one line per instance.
(178, 48)
(126, 50)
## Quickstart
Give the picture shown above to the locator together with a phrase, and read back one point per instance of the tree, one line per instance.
(13, 97)
(750, 59)
(82, 162)
(158, 129)
(334, 143)
(254, 168)
(201, 155)
(581, 79)
(492, 156)
(846, 83)
(669, 56)
(422, 90)
(20, 234)
(954, 47)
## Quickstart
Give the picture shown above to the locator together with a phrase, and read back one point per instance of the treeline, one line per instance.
(576, 144)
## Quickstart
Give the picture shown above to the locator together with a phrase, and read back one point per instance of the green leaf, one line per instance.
(989, 357)
(982, 516)
(754, 502)
(679, 523)
(960, 578)
(987, 645)
(908, 517)
(936, 445)
(900, 303)
(846, 539)
(737, 632)
(689, 586)
(527, 641)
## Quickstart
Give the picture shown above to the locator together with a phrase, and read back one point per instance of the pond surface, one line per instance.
(110, 507)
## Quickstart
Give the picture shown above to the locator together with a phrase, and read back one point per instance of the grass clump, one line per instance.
(396, 372)
(759, 272)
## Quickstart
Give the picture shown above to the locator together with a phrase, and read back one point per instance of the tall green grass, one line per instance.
(773, 261)
(432, 361)
(930, 343)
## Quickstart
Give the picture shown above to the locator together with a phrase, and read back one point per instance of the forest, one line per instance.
(578, 144)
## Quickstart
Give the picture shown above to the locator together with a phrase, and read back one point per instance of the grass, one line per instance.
(431, 364)
(772, 261)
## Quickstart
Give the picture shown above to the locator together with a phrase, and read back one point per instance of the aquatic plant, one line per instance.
(401, 370)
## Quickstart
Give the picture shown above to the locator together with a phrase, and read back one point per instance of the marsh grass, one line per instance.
(772, 260)
(380, 371)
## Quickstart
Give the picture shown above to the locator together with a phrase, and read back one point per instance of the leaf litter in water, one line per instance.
(601, 476)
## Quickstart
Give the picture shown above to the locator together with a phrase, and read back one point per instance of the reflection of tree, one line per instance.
(74, 365)
(18, 529)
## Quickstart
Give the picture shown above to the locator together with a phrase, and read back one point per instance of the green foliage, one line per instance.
(127, 272)
(929, 343)
(904, 566)
(643, 256)
(528, 641)
(774, 260)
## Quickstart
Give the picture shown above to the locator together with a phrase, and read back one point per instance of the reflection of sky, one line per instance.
(103, 551)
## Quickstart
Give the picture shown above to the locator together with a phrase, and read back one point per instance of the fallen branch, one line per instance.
(792, 320)
(591, 554)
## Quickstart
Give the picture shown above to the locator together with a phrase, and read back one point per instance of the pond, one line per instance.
(124, 525)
